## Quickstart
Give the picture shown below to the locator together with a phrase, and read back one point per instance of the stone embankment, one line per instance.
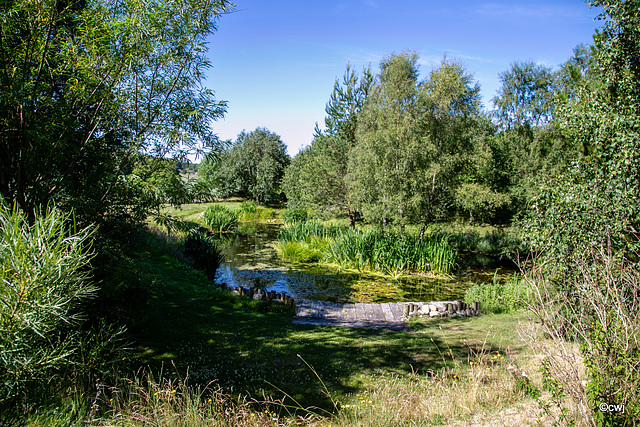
(391, 315)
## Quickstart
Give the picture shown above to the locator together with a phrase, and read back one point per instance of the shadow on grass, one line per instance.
(212, 336)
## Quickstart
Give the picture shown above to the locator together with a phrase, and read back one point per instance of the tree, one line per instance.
(318, 179)
(451, 132)
(254, 165)
(530, 145)
(525, 97)
(596, 197)
(386, 131)
(86, 85)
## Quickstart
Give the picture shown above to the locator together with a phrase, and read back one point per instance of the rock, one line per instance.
(257, 297)
(434, 313)
(467, 312)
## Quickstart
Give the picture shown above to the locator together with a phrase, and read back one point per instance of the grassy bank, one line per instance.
(215, 359)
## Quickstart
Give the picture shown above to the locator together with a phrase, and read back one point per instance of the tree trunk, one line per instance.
(352, 220)
(422, 228)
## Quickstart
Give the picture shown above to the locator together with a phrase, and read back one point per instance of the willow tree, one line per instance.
(254, 165)
(86, 84)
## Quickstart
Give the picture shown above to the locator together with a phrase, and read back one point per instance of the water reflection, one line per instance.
(251, 260)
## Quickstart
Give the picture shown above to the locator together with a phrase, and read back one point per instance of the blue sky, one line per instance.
(275, 61)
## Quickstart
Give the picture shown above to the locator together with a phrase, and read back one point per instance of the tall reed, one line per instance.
(376, 250)
(220, 218)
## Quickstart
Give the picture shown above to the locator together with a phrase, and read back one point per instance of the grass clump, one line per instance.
(392, 253)
(367, 249)
(305, 251)
(204, 251)
(291, 216)
(219, 218)
(497, 297)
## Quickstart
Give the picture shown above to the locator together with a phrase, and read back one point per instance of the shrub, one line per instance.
(602, 315)
(44, 281)
(291, 216)
(499, 297)
(219, 218)
(204, 251)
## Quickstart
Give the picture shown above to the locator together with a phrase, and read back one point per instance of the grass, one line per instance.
(227, 340)
(232, 359)
(366, 248)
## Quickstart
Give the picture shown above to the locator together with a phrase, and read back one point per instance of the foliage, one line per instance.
(481, 200)
(254, 165)
(294, 215)
(86, 90)
(499, 297)
(44, 283)
(525, 99)
(317, 178)
(219, 218)
(205, 252)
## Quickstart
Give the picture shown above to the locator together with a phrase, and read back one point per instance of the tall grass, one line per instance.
(303, 231)
(291, 216)
(220, 218)
(392, 253)
(373, 249)
(499, 297)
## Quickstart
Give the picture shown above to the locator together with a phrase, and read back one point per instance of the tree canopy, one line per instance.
(254, 165)
(87, 84)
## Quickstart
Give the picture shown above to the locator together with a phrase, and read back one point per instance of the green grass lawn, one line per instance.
(247, 349)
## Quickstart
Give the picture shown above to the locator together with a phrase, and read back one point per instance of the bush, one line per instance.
(602, 315)
(219, 218)
(204, 251)
(44, 281)
(291, 216)
(499, 297)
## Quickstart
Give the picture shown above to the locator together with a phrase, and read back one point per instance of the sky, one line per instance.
(275, 61)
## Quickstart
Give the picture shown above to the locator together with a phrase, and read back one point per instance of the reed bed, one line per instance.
(367, 249)
(219, 218)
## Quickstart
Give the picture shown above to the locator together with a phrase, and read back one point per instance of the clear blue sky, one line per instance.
(275, 61)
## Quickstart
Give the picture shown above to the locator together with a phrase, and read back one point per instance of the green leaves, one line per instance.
(44, 278)
(90, 84)
(254, 165)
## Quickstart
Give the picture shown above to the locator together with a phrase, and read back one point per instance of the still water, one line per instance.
(251, 260)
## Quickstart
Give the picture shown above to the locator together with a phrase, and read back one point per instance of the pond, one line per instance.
(251, 260)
